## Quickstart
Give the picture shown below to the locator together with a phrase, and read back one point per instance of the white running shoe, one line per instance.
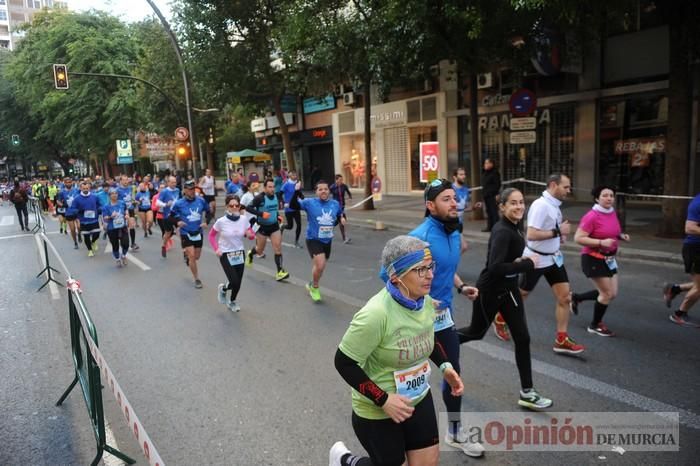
(221, 293)
(234, 307)
(338, 450)
(461, 440)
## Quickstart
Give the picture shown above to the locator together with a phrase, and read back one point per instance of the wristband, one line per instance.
(444, 366)
(461, 287)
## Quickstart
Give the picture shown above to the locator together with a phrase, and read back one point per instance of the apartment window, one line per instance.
(3, 2)
(35, 4)
(3, 15)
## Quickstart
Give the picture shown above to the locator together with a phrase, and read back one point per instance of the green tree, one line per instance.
(87, 118)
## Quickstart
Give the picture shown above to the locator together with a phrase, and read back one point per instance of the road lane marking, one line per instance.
(52, 286)
(130, 257)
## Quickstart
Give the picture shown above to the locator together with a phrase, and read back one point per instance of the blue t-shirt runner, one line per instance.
(114, 222)
(190, 211)
(693, 216)
(322, 217)
(462, 192)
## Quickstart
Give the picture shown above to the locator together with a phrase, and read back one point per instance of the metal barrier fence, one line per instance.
(87, 372)
(89, 363)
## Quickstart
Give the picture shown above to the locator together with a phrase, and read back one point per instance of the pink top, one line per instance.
(601, 226)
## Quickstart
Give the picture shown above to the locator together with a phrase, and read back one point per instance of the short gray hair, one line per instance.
(400, 246)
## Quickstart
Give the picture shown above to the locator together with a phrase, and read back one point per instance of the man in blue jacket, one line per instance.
(440, 230)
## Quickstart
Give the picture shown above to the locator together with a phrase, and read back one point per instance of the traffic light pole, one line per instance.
(185, 80)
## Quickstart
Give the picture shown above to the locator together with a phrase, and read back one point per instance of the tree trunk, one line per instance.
(286, 141)
(369, 205)
(677, 164)
(475, 156)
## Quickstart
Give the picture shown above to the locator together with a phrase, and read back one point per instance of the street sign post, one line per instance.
(124, 153)
(182, 134)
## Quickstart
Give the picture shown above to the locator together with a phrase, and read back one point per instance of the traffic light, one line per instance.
(60, 76)
(183, 151)
(15, 139)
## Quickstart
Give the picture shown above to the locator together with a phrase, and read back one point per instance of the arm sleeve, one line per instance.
(498, 256)
(439, 355)
(212, 237)
(353, 374)
(255, 204)
(295, 202)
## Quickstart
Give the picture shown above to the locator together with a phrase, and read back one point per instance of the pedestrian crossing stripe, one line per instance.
(7, 220)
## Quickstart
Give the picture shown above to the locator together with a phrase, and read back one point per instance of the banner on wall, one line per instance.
(429, 161)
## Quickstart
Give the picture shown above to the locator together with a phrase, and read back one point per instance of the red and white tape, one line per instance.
(132, 420)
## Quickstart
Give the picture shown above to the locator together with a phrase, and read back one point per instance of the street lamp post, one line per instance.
(185, 80)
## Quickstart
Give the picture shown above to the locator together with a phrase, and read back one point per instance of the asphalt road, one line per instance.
(259, 387)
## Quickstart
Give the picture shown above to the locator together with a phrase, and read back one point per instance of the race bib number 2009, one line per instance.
(414, 381)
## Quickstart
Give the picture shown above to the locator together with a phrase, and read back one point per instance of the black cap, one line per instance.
(435, 187)
(189, 184)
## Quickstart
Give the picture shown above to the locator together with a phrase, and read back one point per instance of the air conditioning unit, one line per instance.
(349, 98)
(484, 81)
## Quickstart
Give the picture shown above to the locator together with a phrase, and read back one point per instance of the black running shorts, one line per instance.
(187, 242)
(387, 442)
(552, 274)
(268, 230)
(595, 268)
(315, 247)
(691, 258)
(209, 198)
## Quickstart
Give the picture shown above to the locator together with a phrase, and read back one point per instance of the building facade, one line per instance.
(14, 13)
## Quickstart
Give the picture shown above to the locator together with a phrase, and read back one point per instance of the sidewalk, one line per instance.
(404, 212)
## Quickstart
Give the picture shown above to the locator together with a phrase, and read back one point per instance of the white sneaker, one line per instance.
(461, 440)
(234, 307)
(221, 293)
(338, 450)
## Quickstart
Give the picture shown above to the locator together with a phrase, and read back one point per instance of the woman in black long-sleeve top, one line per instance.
(498, 291)
(491, 182)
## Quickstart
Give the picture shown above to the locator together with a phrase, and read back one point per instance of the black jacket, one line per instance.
(506, 244)
(491, 182)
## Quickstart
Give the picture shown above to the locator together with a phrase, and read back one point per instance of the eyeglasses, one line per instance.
(423, 270)
(234, 206)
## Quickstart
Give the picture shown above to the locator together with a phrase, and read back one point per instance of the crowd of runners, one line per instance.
(384, 354)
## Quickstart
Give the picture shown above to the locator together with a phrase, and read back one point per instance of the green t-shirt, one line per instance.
(384, 337)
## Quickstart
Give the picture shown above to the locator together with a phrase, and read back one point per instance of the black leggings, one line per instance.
(234, 274)
(291, 218)
(511, 307)
(22, 211)
(116, 237)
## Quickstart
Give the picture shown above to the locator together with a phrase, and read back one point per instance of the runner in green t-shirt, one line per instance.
(384, 356)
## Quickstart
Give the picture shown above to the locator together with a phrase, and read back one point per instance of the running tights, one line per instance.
(294, 216)
(118, 237)
(449, 341)
(510, 304)
(22, 214)
(234, 274)
(90, 238)
(132, 234)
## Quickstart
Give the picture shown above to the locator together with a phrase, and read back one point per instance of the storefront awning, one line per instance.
(248, 155)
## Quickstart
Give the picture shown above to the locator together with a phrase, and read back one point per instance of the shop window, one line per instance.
(632, 136)
(429, 109)
(346, 122)
(416, 136)
(413, 111)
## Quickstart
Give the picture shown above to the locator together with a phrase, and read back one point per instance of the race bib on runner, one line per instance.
(611, 263)
(558, 258)
(89, 214)
(235, 257)
(443, 319)
(194, 236)
(145, 202)
(414, 381)
(118, 222)
(325, 232)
